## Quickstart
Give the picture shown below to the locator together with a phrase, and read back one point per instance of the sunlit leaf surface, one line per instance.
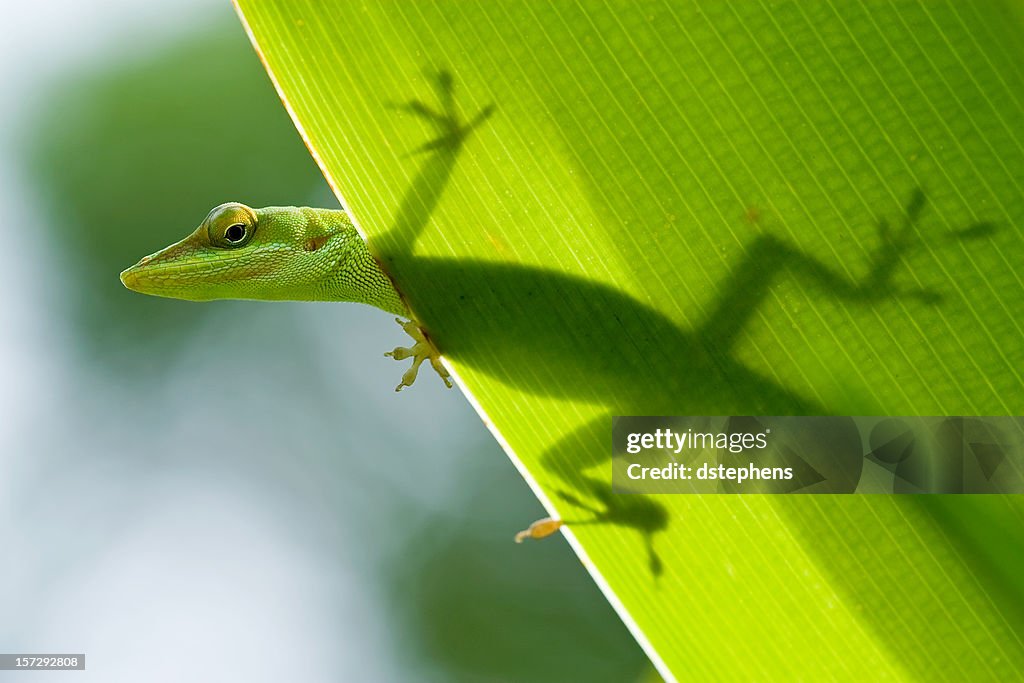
(602, 208)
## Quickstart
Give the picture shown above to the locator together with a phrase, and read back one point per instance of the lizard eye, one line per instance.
(230, 225)
(235, 233)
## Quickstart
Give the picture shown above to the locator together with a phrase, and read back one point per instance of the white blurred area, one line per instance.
(195, 529)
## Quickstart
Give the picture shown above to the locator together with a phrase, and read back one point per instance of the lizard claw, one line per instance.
(420, 351)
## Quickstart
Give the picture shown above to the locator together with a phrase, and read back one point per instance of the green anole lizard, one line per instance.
(280, 253)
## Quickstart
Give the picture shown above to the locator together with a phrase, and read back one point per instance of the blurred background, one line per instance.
(231, 491)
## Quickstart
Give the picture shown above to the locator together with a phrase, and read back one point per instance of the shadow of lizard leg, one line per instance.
(418, 203)
(423, 194)
(579, 452)
(769, 257)
(640, 513)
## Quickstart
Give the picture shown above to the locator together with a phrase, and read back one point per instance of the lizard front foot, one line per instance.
(542, 528)
(420, 351)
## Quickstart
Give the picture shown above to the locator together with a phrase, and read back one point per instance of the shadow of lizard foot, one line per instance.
(640, 513)
(896, 244)
(906, 237)
(451, 130)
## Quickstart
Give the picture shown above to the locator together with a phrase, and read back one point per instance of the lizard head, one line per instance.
(237, 252)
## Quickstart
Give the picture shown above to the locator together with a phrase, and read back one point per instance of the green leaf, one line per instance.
(706, 208)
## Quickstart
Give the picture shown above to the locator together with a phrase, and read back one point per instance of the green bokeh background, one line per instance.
(168, 436)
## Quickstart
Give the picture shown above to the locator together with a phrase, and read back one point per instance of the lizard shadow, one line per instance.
(562, 348)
